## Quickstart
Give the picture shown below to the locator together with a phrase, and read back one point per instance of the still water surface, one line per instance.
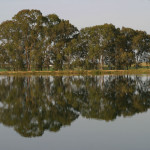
(75, 113)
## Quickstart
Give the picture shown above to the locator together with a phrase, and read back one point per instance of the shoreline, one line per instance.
(83, 72)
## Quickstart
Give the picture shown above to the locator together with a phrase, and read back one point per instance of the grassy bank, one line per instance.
(84, 72)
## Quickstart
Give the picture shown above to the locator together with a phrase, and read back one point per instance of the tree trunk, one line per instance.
(26, 57)
(102, 63)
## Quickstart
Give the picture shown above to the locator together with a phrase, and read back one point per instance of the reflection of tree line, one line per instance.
(35, 104)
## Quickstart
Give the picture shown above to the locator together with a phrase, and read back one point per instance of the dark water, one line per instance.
(75, 113)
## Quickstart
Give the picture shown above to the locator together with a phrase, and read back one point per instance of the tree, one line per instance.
(10, 43)
(99, 44)
(64, 32)
(141, 44)
(33, 41)
(124, 55)
(26, 21)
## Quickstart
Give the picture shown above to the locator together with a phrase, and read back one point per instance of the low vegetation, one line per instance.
(78, 72)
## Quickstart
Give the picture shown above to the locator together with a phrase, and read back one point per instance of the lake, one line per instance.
(75, 112)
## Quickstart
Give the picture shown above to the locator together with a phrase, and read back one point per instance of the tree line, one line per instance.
(33, 41)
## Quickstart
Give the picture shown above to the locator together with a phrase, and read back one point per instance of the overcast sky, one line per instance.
(84, 13)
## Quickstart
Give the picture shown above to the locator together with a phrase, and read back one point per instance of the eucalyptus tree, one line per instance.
(129, 52)
(69, 54)
(89, 47)
(99, 44)
(58, 33)
(124, 57)
(94, 46)
(19, 37)
(26, 21)
(11, 49)
(64, 32)
(3, 58)
(83, 48)
(109, 35)
(77, 51)
(31, 40)
(51, 21)
(141, 44)
(39, 55)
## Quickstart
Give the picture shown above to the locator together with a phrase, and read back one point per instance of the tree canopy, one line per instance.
(33, 41)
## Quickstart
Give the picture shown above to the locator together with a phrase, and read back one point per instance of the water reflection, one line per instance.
(32, 105)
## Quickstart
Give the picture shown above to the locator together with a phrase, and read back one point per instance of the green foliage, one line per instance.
(33, 41)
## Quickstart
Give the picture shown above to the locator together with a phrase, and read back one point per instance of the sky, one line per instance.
(84, 13)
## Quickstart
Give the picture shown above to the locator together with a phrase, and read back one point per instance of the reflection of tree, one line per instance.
(29, 106)
(35, 104)
(116, 97)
